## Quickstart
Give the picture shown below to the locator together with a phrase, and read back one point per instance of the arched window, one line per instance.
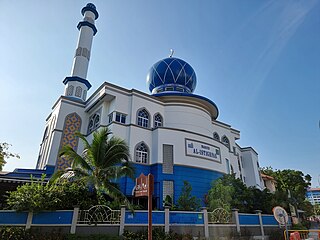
(78, 91)
(232, 171)
(157, 120)
(225, 141)
(143, 118)
(94, 122)
(70, 90)
(216, 136)
(84, 95)
(142, 153)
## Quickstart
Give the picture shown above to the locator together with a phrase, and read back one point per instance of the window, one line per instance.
(228, 166)
(216, 136)
(169, 88)
(232, 171)
(70, 90)
(142, 153)
(121, 118)
(167, 189)
(84, 95)
(94, 122)
(234, 151)
(78, 51)
(179, 89)
(157, 120)
(78, 91)
(159, 90)
(167, 166)
(143, 118)
(110, 117)
(225, 141)
(239, 166)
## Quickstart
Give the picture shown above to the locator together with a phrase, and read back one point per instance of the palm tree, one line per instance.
(101, 163)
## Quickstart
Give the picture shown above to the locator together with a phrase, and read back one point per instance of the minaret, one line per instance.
(77, 85)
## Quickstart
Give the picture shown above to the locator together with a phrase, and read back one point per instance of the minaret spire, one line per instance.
(77, 85)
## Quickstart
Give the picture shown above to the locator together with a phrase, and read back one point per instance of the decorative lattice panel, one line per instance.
(72, 124)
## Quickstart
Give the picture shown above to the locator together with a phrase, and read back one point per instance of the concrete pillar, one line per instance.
(206, 222)
(74, 220)
(122, 219)
(261, 223)
(166, 219)
(29, 220)
(235, 215)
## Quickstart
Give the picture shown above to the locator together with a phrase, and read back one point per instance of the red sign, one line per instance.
(144, 186)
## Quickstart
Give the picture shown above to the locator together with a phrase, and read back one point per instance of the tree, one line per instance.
(291, 187)
(101, 163)
(4, 153)
(220, 195)
(186, 201)
(39, 195)
(230, 192)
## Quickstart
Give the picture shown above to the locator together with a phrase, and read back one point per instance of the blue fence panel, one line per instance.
(57, 217)
(7, 217)
(248, 219)
(269, 220)
(141, 217)
(186, 218)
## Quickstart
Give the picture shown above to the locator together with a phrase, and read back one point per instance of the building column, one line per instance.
(74, 220)
(122, 220)
(29, 220)
(166, 219)
(235, 216)
(206, 223)
(261, 223)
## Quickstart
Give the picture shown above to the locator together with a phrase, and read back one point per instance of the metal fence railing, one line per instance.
(219, 215)
(313, 234)
(99, 214)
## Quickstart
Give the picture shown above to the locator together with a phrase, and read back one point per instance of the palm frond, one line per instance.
(111, 190)
(77, 160)
(117, 151)
(98, 145)
(83, 139)
(56, 176)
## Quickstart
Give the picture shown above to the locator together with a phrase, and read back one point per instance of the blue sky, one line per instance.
(259, 61)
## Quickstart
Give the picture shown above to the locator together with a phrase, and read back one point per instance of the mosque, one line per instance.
(172, 132)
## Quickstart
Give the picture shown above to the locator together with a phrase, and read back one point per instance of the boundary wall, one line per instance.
(194, 223)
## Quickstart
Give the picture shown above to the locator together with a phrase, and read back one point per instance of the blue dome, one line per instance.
(171, 74)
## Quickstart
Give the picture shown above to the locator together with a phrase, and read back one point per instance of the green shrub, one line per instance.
(157, 234)
(276, 234)
(19, 233)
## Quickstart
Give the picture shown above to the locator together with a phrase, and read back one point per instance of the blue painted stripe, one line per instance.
(186, 218)
(248, 219)
(77, 79)
(269, 220)
(90, 25)
(90, 7)
(13, 217)
(142, 217)
(57, 217)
